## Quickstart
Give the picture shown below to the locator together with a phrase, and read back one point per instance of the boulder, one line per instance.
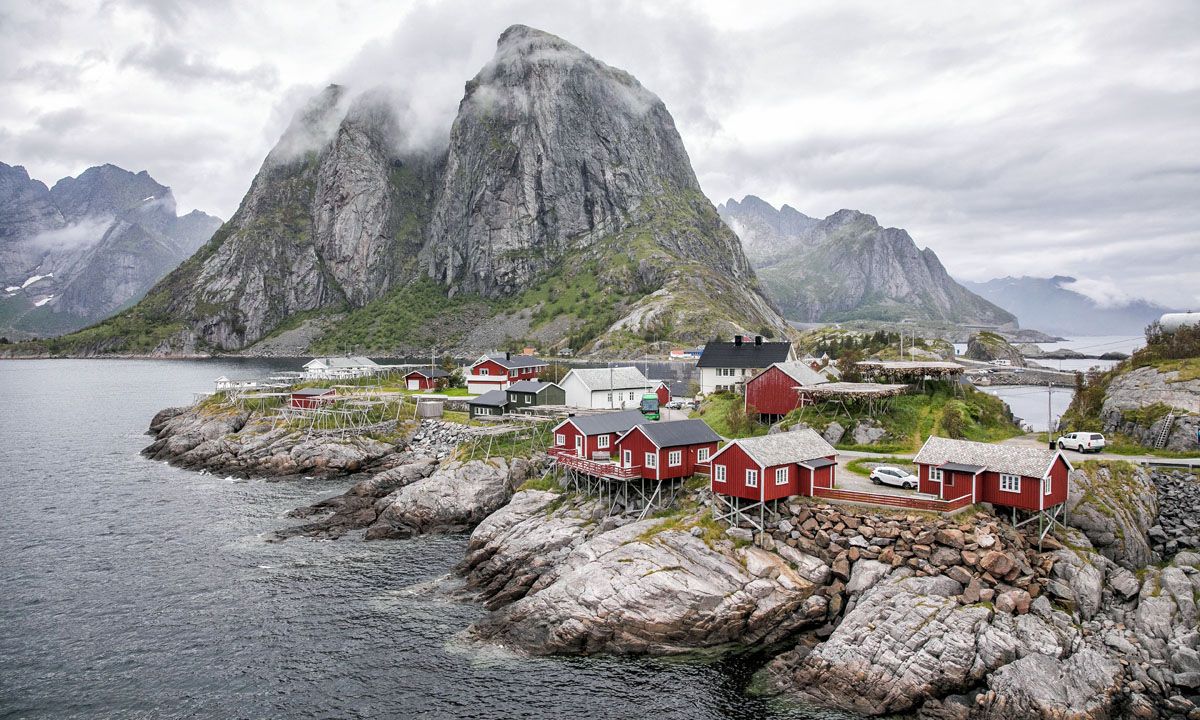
(454, 499)
(1084, 686)
(833, 433)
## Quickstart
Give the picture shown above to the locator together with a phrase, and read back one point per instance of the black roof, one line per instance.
(818, 463)
(434, 373)
(529, 386)
(609, 422)
(679, 432)
(961, 467)
(746, 355)
(515, 362)
(494, 398)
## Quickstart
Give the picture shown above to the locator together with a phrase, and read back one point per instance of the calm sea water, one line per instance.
(133, 589)
(1028, 402)
(1088, 345)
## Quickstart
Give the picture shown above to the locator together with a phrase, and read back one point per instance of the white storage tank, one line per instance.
(1171, 322)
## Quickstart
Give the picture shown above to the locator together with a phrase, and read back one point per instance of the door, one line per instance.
(627, 458)
(414, 384)
(578, 446)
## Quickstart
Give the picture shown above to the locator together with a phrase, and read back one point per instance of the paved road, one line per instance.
(1039, 440)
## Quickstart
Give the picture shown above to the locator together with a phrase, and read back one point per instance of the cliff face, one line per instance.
(847, 267)
(77, 252)
(564, 212)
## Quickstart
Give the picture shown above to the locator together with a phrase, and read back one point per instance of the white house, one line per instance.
(729, 365)
(326, 368)
(607, 388)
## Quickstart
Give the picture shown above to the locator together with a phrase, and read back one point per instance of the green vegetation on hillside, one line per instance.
(908, 420)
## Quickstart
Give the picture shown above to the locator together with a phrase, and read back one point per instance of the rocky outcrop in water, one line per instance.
(225, 440)
(635, 587)
(989, 347)
(847, 267)
(77, 252)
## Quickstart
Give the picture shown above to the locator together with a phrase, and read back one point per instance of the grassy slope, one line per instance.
(909, 420)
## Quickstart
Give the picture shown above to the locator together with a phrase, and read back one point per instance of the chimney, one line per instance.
(737, 340)
(507, 355)
(758, 339)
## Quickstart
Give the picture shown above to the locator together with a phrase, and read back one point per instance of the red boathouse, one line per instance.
(774, 392)
(426, 379)
(310, 398)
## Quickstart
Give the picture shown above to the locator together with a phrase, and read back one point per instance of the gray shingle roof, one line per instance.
(515, 362)
(494, 398)
(1015, 459)
(746, 355)
(801, 373)
(530, 386)
(679, 432)
(434, 373)
(786, 447)
(356, 361)
(307, 392)
(608, 422)
(622, 378)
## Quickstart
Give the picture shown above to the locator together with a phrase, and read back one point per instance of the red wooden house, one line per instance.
(426, 379)
(667, 450)
(771, 467)
(309, 398)
(593, 437)
(663, 391)
(1032, 479)
(497, 372)
(773, 392)
(749, 472)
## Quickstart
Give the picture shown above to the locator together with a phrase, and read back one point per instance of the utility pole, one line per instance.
(1049, 413)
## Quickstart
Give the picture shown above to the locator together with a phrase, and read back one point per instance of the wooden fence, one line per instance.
(898, 501)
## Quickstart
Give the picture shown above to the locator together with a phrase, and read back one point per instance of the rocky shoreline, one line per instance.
(871, 611)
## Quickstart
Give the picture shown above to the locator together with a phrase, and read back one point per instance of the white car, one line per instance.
(888, 475)
(1082, 442)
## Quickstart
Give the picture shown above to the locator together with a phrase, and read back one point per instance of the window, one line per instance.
(602, 441)
(651, 460)
(631, 396)
(781, 476)
(560, 439)
(1010, 483)
(483, 371)
(702, 455)
(751, 478)
(935, 475)
(718, 473)
(1047, 485)
(675, 458)
(610, 398)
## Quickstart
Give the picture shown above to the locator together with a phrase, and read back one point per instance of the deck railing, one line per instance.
(595, 468)
(899, 501)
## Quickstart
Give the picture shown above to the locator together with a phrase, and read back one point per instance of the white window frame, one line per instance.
(782, 476)
(652, 460)
(752, 478)
(560, 439)
(702, 455)
(1010, 483)
(935, 475)
(719, 473)
(609, 398)
(1047, 485)
(514, 373)
(484, 371)
(602, 442)
(675, 458)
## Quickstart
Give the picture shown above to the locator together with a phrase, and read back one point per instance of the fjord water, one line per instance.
(133, 589)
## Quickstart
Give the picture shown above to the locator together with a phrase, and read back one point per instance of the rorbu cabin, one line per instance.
(311, 398)
(667, 450)
(774, 392)
(426, 379)
(613, 388)
(531, 393)
(1026, 478)
(497, 372)
(594, 437)
(772, 467)
(750, 472)
(492, 403)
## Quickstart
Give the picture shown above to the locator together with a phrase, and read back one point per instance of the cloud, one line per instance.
(85, 233)
(172, 63)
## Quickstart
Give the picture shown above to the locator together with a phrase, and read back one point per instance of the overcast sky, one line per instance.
(1013, 138)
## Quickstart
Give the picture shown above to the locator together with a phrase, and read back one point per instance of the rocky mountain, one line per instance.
(847, 267)
(75, 253)
(563, 213)
(1051, 305)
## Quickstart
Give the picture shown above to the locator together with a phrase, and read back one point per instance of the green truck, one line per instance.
(650, 406)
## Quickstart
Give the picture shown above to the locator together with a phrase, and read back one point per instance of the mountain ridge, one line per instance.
(564, 212)
(1054, 308)
(847, 267)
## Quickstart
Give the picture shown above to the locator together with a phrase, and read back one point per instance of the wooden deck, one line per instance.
(595, 468)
